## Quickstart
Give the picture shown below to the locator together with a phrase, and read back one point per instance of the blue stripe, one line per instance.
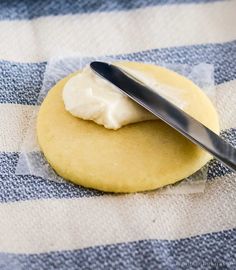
(14, 187)
(20, 188)
(207, 252)
(216, 168)
(222, 56)
(29, 9)
(8, 162)
(21, 83)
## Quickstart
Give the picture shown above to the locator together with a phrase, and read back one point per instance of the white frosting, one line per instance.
(90, 97)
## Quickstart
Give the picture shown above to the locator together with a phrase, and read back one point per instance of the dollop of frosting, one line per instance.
(90, 97)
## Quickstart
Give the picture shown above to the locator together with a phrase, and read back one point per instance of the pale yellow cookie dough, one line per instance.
(138, 157)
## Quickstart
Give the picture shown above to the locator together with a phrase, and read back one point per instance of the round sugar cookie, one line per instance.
(137, 157)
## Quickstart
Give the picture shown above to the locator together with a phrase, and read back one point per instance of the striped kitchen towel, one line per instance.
(49, 225)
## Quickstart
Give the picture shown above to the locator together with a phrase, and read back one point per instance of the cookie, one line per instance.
(137, 157)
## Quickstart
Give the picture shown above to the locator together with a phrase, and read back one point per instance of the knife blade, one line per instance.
(168, 112)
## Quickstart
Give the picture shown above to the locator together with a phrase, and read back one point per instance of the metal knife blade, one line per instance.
(168, 112)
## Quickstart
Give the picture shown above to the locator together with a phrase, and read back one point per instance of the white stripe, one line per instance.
(117, 32)
(14, 118)
(48, 225)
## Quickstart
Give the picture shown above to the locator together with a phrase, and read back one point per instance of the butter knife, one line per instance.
(168, 112)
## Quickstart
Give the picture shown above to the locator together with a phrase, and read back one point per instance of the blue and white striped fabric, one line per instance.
(49, 225)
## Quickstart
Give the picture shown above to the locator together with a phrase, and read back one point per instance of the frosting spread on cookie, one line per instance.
(90, 97)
